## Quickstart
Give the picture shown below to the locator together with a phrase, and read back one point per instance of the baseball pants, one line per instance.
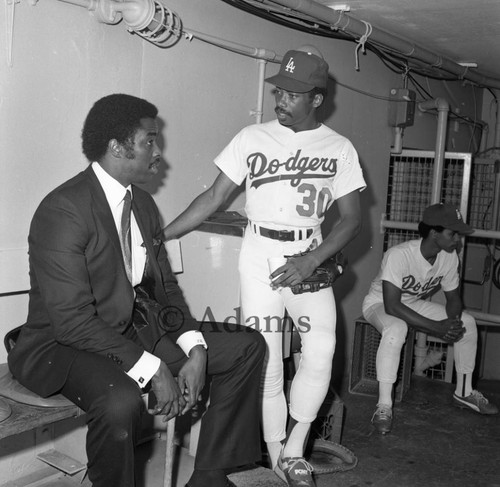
(394, 331)
(314, 316)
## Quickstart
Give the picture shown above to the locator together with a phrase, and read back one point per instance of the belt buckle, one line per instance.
(286, 235)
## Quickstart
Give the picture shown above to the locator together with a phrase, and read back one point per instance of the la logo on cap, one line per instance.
(290, 67)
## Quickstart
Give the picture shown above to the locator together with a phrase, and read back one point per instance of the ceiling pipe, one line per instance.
(357, 28)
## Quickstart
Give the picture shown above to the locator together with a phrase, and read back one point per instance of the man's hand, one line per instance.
(453, 329)
(192, 376)
(170, 401)
(294, 271)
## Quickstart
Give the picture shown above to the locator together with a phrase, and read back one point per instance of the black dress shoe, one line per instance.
(228, 484)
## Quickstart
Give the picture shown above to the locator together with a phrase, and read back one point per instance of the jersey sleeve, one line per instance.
(393, 268)
(350, 175)
(231, 162)
(451, 279)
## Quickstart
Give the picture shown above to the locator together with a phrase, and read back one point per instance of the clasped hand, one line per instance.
(454, 329)
(177, 396)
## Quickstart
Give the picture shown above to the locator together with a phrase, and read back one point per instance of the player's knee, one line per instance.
(395, 336)
(470, 326)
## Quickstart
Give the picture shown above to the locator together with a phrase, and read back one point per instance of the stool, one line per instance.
(363, 374)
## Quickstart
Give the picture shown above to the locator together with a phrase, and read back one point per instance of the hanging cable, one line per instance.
(362, 42)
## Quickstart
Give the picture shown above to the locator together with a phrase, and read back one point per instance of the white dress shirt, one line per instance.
(148, 364)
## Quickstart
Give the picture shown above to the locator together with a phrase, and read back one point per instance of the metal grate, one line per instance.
(438, 371)
(410, 188)
(482, 196)
(394, 236)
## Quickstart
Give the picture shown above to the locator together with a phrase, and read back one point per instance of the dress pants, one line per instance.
(230, 434)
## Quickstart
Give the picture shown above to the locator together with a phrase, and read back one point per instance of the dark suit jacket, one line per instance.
(80, 297)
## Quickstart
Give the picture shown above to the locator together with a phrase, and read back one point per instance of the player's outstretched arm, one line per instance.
(201, 207)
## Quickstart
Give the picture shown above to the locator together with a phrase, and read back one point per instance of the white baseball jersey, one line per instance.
(404, 266)
(291, 178)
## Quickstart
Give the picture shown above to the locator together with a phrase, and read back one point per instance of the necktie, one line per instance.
(125, 238)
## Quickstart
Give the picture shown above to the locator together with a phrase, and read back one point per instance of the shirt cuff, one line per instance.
(190, 339)
(144, 369)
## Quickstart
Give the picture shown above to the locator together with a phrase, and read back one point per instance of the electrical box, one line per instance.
(401, 107)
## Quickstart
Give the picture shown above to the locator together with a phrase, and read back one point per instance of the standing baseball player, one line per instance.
(295, 168)
(410, 273)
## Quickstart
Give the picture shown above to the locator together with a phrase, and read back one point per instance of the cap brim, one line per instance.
(462, 228)
(289, 84)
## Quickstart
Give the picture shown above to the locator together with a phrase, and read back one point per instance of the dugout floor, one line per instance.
(433, 444)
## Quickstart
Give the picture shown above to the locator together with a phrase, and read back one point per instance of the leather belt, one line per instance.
(284, 235)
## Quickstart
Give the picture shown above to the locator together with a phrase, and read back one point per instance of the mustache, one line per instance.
(280, 110)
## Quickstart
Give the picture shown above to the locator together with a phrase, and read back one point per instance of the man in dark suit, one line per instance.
(80, 339)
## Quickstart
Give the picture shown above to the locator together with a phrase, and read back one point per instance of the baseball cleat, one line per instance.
(475, 401)
(295, 471)
(382, 418)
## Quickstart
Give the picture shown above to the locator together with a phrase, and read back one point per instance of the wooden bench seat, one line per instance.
(28, 410)
(25, 417)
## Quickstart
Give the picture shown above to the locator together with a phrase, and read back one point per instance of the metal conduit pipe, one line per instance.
(486, 318)
(259, 111)
(357, 28)
(443, 107)
(88, 4)
(384, 223)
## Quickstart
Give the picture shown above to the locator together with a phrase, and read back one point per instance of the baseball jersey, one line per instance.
(404, 266)
(292, 178)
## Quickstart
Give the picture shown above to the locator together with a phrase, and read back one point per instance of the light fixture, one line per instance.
(149, 19)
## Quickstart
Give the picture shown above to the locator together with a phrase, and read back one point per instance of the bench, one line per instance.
(29, 411)
(25, 411)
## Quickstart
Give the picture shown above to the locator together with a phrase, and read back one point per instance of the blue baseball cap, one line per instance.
(301, 72)
(446, 216)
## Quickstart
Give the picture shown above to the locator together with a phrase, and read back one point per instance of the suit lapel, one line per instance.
(102, 209)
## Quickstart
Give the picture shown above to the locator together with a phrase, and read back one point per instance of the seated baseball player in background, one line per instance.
(82, 338)
(410, 273)
(295, 168)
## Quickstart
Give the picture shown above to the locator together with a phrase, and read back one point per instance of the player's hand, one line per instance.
(294, 271)
(453, 329)
(169, 399)
(191, 377)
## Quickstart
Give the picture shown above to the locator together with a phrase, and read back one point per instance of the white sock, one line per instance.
(274, 450)
(385, 393)
(295, 443)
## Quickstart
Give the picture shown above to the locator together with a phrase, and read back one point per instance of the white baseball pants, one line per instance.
(314, 315)
(394, 331)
